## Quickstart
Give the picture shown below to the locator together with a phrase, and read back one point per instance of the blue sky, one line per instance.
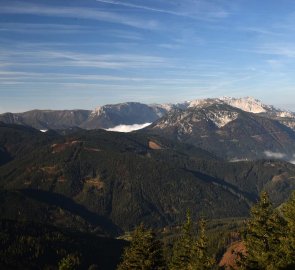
(65, 54)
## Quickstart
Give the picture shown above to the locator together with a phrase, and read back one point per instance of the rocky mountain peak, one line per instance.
(248, 104)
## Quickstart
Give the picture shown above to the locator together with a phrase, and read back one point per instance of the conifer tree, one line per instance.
(288, 245)
(70, 262)
(190, 252)
(202, 261)
(263, 237)
(184, 247)
(144, 253)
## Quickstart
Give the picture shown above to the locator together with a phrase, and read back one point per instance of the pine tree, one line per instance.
(202, 261)
(263, 237)
(288, 244)
(184, 247)
(70, 262)
(144, 253)
(189, 252)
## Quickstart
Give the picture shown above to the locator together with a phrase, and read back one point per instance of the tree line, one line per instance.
(268, 236)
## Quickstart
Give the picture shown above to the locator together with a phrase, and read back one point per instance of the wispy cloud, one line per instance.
(201, 10)
(67, 78)
(259, 30)
(103, 81)
(124, 34)
(43, 28)
(279, 49)
(77, 12)
(55, 77)
(286, 50)
(75, 59)
(126, 4)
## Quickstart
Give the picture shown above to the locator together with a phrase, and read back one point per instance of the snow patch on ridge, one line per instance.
(286, 114)
(128, 128)
(222, 118)
(98, 111)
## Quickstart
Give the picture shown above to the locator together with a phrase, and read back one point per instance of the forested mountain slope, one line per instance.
(108, 182)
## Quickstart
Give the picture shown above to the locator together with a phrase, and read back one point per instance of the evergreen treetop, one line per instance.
(263, 237)
(144, 253)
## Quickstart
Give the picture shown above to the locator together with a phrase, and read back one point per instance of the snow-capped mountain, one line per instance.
(228, 131)
(134, 113)
(247, 104)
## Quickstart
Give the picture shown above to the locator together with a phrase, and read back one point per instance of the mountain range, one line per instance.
(130, 113)
(231, 128)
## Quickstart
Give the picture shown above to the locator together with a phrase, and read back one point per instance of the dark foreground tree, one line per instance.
(182, 253)
(202, 261)
(189, 252)
(263, 237)
(144, 253)
(288, 247)
(70, 262)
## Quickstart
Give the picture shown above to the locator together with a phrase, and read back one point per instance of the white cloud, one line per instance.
(277, 155)
(139, 7)
(200, 10)
(286, 50)
(128, 128)
(77, 12)
(258, 30)
(42, 27)
(45, 57)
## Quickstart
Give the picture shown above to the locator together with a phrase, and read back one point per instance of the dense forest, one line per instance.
(74, 199)
(267, 238)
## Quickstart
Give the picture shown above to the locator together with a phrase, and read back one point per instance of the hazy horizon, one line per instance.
(286, 107)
